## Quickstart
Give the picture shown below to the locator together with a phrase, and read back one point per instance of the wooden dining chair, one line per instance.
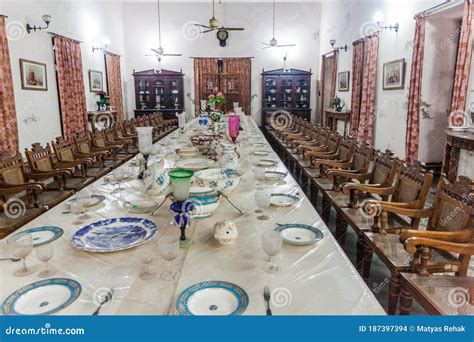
(450, 221)
(359, 186)
(111, 138)
(99, 140)
(438, 294)
(43, 163)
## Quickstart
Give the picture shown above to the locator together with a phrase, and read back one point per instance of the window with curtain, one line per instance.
(71, 91)
(114, 83)
(8, 122)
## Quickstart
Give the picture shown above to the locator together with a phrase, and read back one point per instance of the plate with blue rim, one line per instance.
(115, 234)
(299, 234)
(43, 297)
(275, 175)
(283, 200)
(40, 235)
(212, 298)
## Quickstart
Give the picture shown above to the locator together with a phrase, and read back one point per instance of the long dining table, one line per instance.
(317, 279)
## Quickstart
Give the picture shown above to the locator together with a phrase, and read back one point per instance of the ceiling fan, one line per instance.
(273, 42)
(160, 52)
(214, 24)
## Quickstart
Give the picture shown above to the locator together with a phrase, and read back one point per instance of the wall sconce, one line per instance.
(103, 46)
(379, 18)
(333, 42)
(46, 18)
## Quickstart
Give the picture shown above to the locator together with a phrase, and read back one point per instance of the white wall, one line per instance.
(347, 21)
(296, 23)
(86, 21)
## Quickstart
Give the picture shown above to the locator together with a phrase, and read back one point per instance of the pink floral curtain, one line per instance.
(365, 129)
(357, 70)
(414, 92)
(72, 98)
(114, 83)
(8, 122)
(463, 67)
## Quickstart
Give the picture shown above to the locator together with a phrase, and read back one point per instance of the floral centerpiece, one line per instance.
(217, 99)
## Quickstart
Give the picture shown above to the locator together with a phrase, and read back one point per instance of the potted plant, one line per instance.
(217, 99)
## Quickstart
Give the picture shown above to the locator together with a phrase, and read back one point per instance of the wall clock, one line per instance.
(222, 35)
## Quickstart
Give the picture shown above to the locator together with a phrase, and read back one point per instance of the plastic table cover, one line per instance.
(313, 280)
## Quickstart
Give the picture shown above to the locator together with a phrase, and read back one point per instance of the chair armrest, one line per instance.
(412, 243)
(339, 164)
(376, 189)
(42, 175)
(8, 189)
(460, 236)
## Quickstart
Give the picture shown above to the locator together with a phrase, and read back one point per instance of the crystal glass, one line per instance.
(148, 256)
(271, 244)
(169, 247)
(22, 247)
(181, 182)
(45, 253)
(234, 124)
(84, 197)
(259, 174)
(263, 199)
(235, 105)
(145, 139)
(77, 208)
(203, 105)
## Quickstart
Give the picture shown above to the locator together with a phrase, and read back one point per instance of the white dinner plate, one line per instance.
(299, 234)
(194, 164)
(261, 153)
(275, 175)
(216, 298)
(283, 200)
(267, 162)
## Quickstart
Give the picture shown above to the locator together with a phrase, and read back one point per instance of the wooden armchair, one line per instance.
(450, 221)
(79, 149)
(358, 165)
(439, 294)
(18, 195)
(45, 164)
(342, 159)
(359, 185)
(331, 147)
(312, 138)
(111, 138)
(99, 140)
(122, 135)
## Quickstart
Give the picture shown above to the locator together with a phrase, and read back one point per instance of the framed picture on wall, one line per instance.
(343, 80)
(33, 75)
(394, 74)
(96, 81)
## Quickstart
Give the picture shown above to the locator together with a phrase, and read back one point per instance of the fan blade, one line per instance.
(201, 25)
(172, 54)
(266, 47)
(151, 55)
(231, 29)
(208, 31)
(285, 45)
(155, 51)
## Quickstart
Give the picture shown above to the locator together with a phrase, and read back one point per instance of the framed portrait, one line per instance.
(343, 80)
(394, 74)
(96, 81)
(33, 75)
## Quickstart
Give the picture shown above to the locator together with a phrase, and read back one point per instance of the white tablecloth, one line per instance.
(313, 280)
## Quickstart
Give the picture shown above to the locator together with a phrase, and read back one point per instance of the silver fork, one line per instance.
(267, 296)
(108, 297)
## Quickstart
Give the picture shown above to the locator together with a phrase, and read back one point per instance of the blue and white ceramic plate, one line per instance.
(114, 234)
(40, 235)
(43, 297)
(283, 200)
(212, 298)
(299, 234)
(90, 202)
(222, 180)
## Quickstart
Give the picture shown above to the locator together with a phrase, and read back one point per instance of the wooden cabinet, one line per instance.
(287, 89)
(159, 90)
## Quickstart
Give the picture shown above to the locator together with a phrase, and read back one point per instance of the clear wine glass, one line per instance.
(259, 175)
(263, 199)
(148, 256)
(45, 253)
(85, 198)
(77, 209)
(169, 247)
(22, 246)
(271, 244)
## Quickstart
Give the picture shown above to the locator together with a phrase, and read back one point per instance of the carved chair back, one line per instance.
(12, 170)
(64, 149)
(83, 143)
(40, 158)
(384, 169)
(413, 185)
(347, 149)
(362, 158)
(98, 137)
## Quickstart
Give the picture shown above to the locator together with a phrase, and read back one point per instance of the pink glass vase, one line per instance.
(234, 124)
